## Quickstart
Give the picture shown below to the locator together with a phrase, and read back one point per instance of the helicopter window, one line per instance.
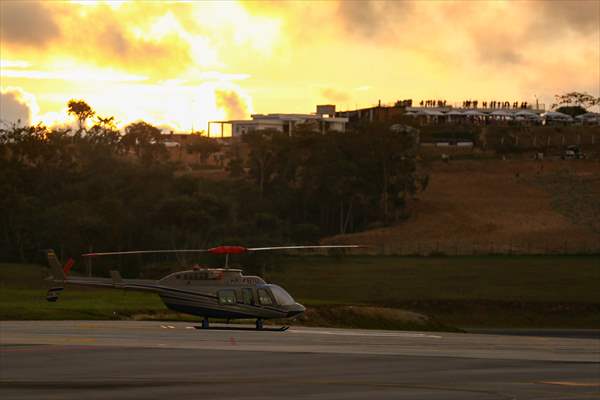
(248, 296)
(281, 296)
(226, 296)
(264, 298)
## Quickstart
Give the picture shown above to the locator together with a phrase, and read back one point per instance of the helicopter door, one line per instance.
(248, 296)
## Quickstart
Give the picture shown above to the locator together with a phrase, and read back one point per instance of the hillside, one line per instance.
(489, 206)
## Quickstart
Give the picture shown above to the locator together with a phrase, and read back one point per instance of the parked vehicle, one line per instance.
(572, 153)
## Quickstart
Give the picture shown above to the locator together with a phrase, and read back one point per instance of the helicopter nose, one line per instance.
(296, 309)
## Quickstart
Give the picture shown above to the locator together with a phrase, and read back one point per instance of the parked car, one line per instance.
(572, 153)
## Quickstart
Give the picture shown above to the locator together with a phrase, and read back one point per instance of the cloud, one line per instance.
(276, 51)
(498, 49)
(232, 103)
(582, 16)
(222, 76)
(370, 18)
(124, 37)
(16, 106)
(81, 74)
(335, 95)
(109, 41)
(14, 64)
(27, 23)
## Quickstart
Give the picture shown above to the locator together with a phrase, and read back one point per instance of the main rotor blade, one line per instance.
(225, 250)
(340, 246)
(114, 253)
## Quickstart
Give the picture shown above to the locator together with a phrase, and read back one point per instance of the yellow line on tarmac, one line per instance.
(575, 384)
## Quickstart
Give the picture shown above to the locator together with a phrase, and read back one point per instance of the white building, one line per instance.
(288, 123)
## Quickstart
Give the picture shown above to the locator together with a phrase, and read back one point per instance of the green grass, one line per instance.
(389, 280)
(483, 291)
(491, 291)
(23, 296)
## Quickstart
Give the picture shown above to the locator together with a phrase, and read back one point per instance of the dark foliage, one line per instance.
(98, 189)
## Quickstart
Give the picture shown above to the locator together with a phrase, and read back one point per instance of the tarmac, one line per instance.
(134, 359)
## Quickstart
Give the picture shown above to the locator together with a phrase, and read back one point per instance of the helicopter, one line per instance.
(223, 293)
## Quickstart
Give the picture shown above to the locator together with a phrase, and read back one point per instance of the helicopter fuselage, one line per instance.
(205, 292)
(226, 293)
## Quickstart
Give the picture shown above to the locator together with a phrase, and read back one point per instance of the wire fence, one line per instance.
(462, 248)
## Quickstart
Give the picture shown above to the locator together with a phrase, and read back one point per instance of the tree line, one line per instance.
(101, 188)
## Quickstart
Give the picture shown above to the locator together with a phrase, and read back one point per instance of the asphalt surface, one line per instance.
(127, 360)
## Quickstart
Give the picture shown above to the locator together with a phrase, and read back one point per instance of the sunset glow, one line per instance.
(179, 65)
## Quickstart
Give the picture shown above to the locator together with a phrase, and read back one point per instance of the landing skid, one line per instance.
(242, 328)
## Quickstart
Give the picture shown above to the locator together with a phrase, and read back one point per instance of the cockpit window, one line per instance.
(264, 298)
(281, 296)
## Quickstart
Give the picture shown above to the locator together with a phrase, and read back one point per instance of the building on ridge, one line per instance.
(324, 120)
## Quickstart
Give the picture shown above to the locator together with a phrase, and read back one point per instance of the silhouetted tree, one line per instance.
(145, 140)
(204, 147)
(576, 101)
(81, 110)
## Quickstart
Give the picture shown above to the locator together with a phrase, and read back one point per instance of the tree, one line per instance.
(146, 141)
(394, 152)
(575, 103)
(104, 132)
(81, 110)
(261, 156)
(204, 146)
(573, 111)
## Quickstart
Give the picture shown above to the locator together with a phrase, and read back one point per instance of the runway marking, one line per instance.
(573, 384)
(46, 347)
(133, 383)
(374, 334)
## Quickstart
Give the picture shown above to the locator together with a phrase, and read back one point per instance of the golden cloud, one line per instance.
(279, 52)
(16, 106)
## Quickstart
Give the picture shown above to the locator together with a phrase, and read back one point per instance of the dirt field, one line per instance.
(496, 206)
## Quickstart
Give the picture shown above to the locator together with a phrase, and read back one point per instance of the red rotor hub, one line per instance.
(228, 250)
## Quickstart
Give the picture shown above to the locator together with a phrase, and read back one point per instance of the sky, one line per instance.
(179, 64)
